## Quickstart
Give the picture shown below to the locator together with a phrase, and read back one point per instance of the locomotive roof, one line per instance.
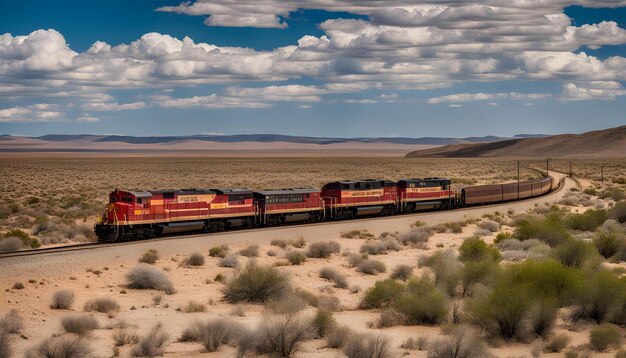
(287, 191)
(140, 193)
(416, 180)
(365, 181)
(228, 191)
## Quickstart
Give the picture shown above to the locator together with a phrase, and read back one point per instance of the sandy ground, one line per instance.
(45, 274)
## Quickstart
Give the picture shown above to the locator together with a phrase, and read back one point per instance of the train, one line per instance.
(137, 214)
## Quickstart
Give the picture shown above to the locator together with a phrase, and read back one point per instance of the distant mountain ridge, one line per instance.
(602, 143)
(261, 138)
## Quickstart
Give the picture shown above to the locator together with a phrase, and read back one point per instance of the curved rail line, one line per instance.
(97, 245)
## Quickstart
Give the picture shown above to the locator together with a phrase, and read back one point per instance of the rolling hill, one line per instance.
(609, 143)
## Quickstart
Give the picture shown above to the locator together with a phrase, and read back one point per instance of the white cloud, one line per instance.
(305, 106)
(473, 97)
(113, 106)
(87, 119)
(600, 90)
(34, 113)
(211, 101)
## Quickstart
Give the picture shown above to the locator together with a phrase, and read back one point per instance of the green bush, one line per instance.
(323, 322)
(422, 302)
(480, 272)
(602, 293)
(587, 221)
(502, 311)
(446, 268)
(574, 253)
(618, 212)
(26, 239)
(475, 249)
(382, 294)
(549, 230)
(608, 244)
(296, 257)
(218, 251)
(257, 284)
(149, 257)
(501, 236)
(557, 343)
(605, 336)
(546, 279)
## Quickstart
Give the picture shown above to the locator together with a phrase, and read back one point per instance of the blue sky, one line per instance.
(387, 68)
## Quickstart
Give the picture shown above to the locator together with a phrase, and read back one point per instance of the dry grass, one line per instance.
(80, 325)
(62, 300)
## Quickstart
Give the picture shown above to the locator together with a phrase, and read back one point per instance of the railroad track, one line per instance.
(99, 245)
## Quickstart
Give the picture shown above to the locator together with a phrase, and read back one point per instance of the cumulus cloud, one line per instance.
(113, 106)
(401, 46)
(39, 112)
(87, 119)
(600, 90)
(473, 97)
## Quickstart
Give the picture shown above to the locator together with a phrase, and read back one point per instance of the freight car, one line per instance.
(143, 214)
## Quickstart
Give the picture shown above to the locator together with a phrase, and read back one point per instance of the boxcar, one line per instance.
(486, 194)
(288, 205)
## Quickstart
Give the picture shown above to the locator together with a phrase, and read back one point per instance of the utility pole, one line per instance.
(570, 170)
(602, 174)
(547, 167)
(518, 180)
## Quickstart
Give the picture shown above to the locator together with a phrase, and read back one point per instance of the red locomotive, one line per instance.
(142, 214)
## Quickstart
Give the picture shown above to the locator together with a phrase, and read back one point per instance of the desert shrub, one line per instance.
(459, 344)
(102, 305)
(549, 230)
(193, 306)
(329, 303)
(62, 347)
(546, 279)
(618, 212)
(371, 267)
(149, 257)
(257, 284)
(218, 251)
(355, 259)
(608, 244)
(557, 343)
(386, 244)
(79, 325)
(502, 236)
(475, 249)
(382, 294)
(418, 235)
(229, 260)
(357, 234)
(601, 294)
(330, 274)
(605, 336)
(287, 304)
(212, 334)
(587, 221)
(502, 311)
(11, 244)
(422, 302)
(481, 232)
(574, 253)
(365, 345)
(283, 335)
(6, 351)
(12, 322)
(323, 249)
(18, 286)
(323, 322)
(145, 277)
(280, 243)
(295, 257)
(298, 243)
(446, 269)
(308, 296)
(492, 226)
(62, 300)
(151, 345)
(389, 318)
(542, 316)
(22, 235)
(195, 259)
(338, 336)
(250, 251)
(122, 337)
(477, 273)
(415, 344)
(402, 272)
